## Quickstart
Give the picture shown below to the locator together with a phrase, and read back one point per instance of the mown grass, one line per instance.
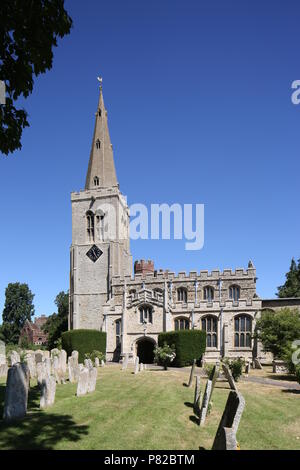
(151, 410)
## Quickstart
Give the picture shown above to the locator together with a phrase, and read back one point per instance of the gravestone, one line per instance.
(83, 382)
(125, 362)
(197, 395)
(247, 368)
(73, 367)
(30, 360)
(88, 363)
(205, 403)
(257, 363)
(229, 377)
(3, 370)
(192, 373)
(136, 368)
(41, 372)
(97, 363)
(47, 362)
(225, 438)
(16, 393)
(141, 367)
(57, 372)
(48, 389)
(92, 379)
(14, 357)
(63, 362)
(102, 363)
(38, 355)
(214, 375)
(280, 367)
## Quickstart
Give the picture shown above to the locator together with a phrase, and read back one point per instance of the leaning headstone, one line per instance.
(192, 373)
(16, 393)
(83, 382)
(257, 363)
(229, 377)
(136, 367)
(92, 379)
(97, 363)
(205, 403)
(214, 375)
(48, 388)
(102, 363)
(197, 395)
(125, 362)
(226, 434)
(14, 357)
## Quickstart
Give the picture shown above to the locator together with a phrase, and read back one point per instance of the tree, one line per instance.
(18, 308)
(164, 355)
(29, 30)
(277, 330)
(57, 323)
(291, 287)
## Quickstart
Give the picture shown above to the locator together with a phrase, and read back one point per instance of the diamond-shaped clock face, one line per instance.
(94, 253)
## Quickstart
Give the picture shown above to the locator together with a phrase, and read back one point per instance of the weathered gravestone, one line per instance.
(205, 403)
(97, 363)
(226, 434)
(88, 363)
(30, 360)
(63, 362)
(136, 368)
(125, 362)
(16, 393)
(197, 395)
(14, 358)
(73, 367)
(141, 367)
(3, 370)
(48, 366)
(2, 353)
(48, 389)
(229, 377)
(92, 379)
(214, 375)
(280, 367)
(257, 363)
(102, 363)
(38, 356)
(192, 373)
(41, 372)
(247, 368)
(83, 382)
(56, 367)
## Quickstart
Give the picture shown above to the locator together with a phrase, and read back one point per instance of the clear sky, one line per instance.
(198, 94)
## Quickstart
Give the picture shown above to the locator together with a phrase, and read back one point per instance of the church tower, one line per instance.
(100, 232)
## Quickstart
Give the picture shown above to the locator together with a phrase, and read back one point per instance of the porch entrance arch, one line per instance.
(145, 350)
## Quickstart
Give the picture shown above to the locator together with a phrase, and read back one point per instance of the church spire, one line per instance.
(101, 170)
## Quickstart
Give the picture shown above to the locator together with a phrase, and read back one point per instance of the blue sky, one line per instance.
(198, 95)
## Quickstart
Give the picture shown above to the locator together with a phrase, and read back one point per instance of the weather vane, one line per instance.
(100, 80)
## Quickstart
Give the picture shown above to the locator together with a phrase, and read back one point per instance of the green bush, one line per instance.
(83, 341)
(236, 367)
(189, 345)
(100, 355)
(297, 373)
(164, 355)
(208, 367)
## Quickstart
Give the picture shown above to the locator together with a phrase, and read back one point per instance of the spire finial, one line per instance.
(100, 79)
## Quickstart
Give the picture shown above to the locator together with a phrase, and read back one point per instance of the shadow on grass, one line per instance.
(189, 404)
(284, 377)
(296, 391)
(194, 420)
(38, 430)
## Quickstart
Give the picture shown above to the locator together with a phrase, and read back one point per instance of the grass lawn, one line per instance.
(151, 410)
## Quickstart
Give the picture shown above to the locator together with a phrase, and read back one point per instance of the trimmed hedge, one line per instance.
(83, 341)
(189, 345)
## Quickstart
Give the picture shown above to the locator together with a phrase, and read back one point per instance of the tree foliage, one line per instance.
(18, 308)
(291, 287)
(164, 355)
(277, 330)
(29, 31)
(57, 323)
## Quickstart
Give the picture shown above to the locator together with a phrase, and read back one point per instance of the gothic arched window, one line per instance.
(146, 314)
(90, 226)
(182, 324)
(182, 294)
(234, 293)
(96, 181)
(242, 331)
(210, 325)
(208, 293)
(118, 331)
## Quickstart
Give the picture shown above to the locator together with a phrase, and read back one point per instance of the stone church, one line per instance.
(134, 307)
